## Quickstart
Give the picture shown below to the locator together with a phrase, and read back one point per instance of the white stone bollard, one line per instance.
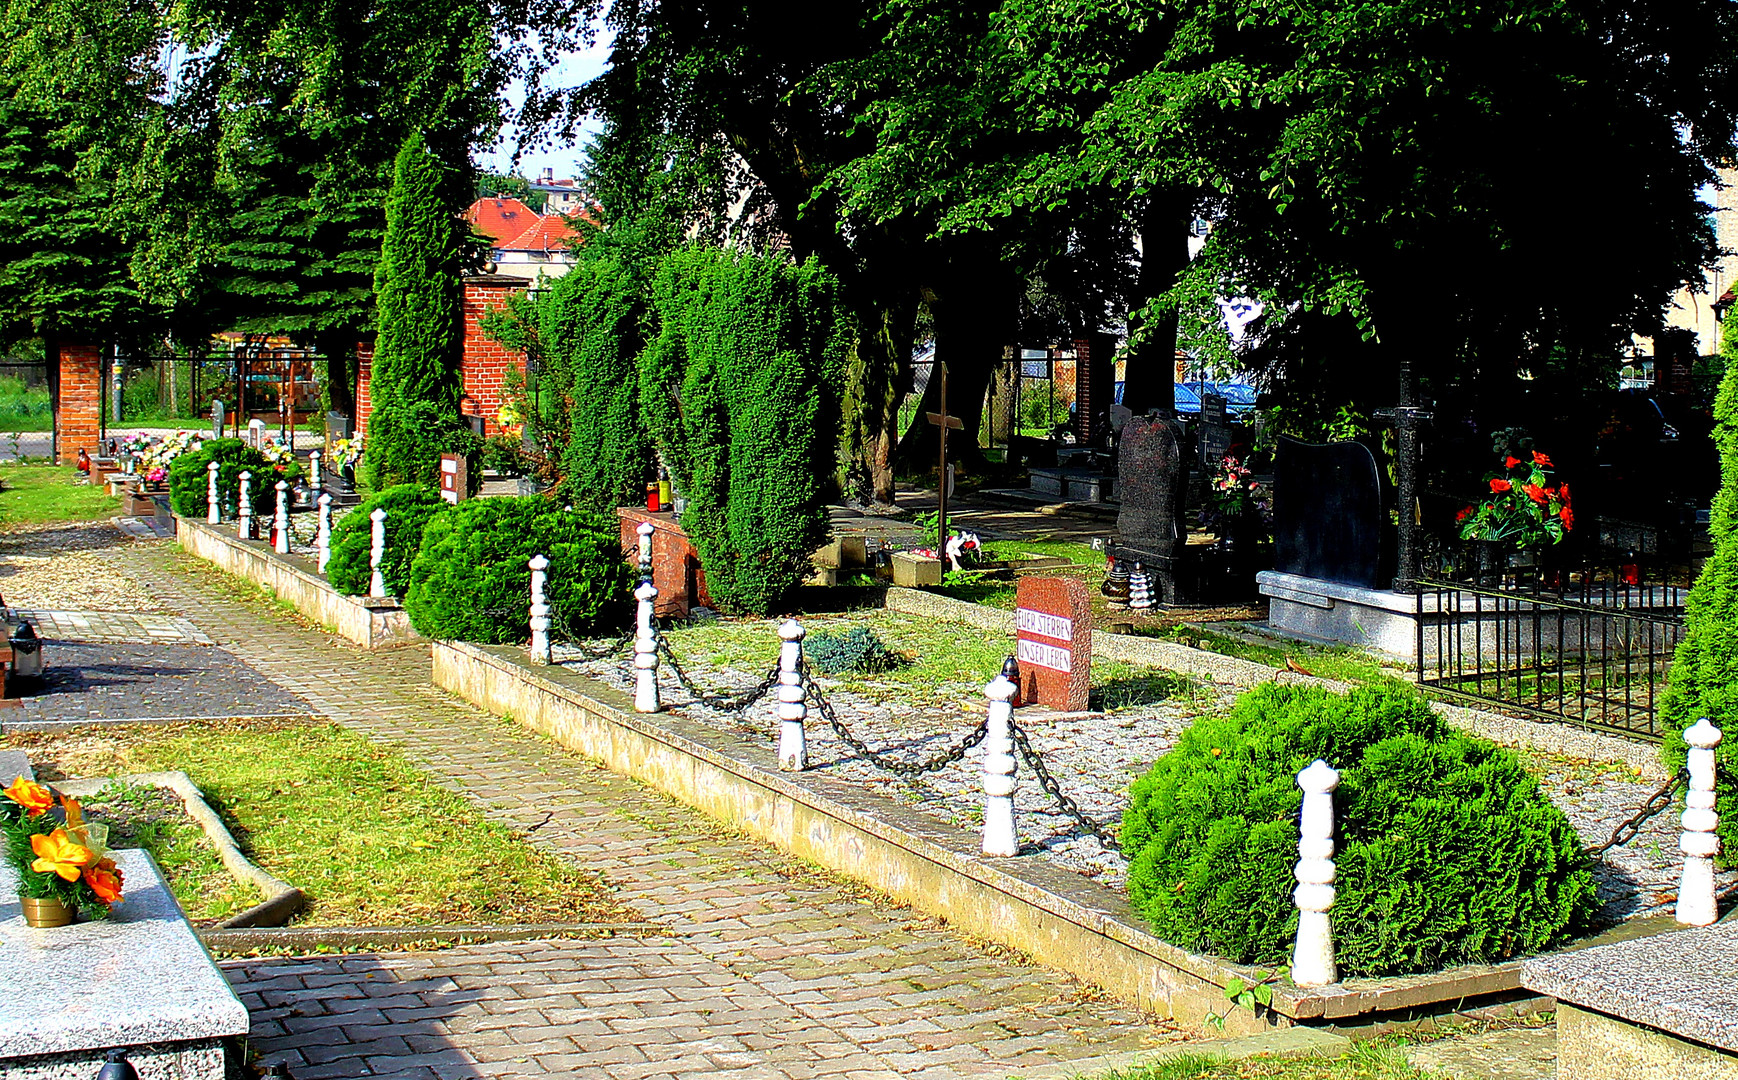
(645, 530)
(244, 508)
(793, 710)
(999, 837)
(646, 652)
(323, 538)
(1696, 906)
(213, 505)
(1312, 961)
(376, 553)
(540, 650)
(314, 473)
(282, 523)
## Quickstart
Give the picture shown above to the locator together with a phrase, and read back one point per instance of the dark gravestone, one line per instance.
(1215, 431)
(1327, 512)
(1151, 476)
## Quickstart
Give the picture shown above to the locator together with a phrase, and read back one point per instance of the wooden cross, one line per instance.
(943, 421)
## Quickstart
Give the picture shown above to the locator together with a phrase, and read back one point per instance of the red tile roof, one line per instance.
(500, 219)
(548, 233)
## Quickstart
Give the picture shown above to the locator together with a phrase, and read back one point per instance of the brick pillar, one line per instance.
(79, 402)
(364, 366)
(1094, 386)
(486, 361)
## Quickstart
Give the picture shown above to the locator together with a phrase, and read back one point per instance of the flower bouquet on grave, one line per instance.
(61, 859)
(1524, 508)
(1234, 495)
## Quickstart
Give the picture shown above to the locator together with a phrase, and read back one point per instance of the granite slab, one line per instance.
(140, 976)
(1680, 983)
(13, 764)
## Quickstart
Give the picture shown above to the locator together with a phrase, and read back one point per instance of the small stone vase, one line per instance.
(45, 913)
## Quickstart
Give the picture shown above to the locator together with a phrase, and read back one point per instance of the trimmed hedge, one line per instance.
(471, 581)
(1448, 852)
(1703, 680)
(409, 508)
(187, 478)
(405, 444)
(738, 389)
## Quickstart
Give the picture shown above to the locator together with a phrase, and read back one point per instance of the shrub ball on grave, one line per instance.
(471, 581)
(188, 478)
(1447, 851)
(409, 507)
(405, 444)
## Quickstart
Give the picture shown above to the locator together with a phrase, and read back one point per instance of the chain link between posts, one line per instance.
(723, 701)
(1024, 745)
(812, 692)
(1656, 804)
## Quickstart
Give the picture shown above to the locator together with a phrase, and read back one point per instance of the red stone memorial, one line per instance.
(676, 570)
(1053, 624)
(455, 483)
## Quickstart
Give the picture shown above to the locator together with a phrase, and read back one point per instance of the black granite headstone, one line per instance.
(1215, 431)
(1151, 478)
(1327, 512)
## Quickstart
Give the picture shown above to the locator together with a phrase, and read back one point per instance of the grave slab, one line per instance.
(1053, 631)
(139, 979)
(1660, 1007)
(676, 569)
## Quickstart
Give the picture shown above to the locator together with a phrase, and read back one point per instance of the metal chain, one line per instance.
(1656, 804)
(880, 760)
(725, 701)
(567, 636)
(1049, 784)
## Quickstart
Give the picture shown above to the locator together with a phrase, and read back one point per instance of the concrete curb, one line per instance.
(282, 900)
(1294, 1042)
(387, 938)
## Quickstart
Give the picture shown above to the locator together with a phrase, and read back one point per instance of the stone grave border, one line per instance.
(371, 622)
(1058, 918)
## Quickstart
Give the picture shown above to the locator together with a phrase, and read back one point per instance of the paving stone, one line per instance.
(96, 683)
(730, 898)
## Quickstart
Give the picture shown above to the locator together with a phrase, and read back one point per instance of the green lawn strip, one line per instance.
(1365, 1061)
(948, 661)
(1075, 552)
(370, 838)
(38, 494)
(153, 819)
(1337, 662)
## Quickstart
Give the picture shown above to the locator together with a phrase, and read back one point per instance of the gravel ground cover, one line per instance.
(1094, 756)
(64, 567)
(92, 683)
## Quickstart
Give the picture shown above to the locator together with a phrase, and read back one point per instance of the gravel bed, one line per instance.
(64, 567)
(1095, 756)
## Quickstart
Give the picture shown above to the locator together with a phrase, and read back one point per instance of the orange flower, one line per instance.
(1563, 494)
(1464, 514)
(105, 880)
(1511, 461)
(1567, 517)
(1535, 492)
(1500, 486)
(36, 799)
(57, 854)
(1541, 459)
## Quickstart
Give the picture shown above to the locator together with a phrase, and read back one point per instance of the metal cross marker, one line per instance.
(943, 421)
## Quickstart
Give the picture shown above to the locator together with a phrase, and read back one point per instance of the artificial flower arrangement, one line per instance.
(347, 452)
(1524, 507)
(279, 456)
(158, 454)
(61, 858)
(1234, 493)
(138, 444)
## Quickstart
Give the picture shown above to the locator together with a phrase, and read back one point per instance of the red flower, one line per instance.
(1567, 516)
(1541, 459)
(1464, 514)
(1511, 461)
(1563, 494)
(1535, 492)
(1500, 486)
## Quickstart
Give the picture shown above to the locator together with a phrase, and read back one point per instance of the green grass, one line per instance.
(35, 494)
(370, 838)
(1338, 662)
(23, 408)
(153, 819)
(950, 662)
(1365, 1061)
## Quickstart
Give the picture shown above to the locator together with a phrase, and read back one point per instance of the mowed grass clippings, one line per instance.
(371, 839)
(38, 494)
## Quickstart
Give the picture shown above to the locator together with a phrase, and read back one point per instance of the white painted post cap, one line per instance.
(646, 528)
(791, 630)
(211, 466)
(1000, 688)
(378, 515)
(539, 562)
(1319, 779)
(282, 485)
(1702, 735)
(646, 591)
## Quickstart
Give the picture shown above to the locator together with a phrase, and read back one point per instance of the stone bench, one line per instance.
(138, 980)
(1657, 1007)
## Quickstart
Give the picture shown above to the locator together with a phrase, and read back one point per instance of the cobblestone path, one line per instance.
(775, 969)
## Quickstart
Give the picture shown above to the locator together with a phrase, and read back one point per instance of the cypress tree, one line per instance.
(417, 351)
(1704, 673)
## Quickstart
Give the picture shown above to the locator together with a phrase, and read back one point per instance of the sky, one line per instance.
(572, 70)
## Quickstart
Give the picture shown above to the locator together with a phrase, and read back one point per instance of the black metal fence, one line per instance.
(1586, 639)
(279, 387)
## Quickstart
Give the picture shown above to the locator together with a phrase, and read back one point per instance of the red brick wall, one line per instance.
(364, 367)
(77, 419)
(486, 361)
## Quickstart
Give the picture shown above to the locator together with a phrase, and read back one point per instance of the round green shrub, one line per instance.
(1447, 851)
(408, 510)
(187, 478)
(471, 581)
(858, 649)
(405, 444)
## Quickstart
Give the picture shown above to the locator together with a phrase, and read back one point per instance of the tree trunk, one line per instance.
(339, 349)
(876, 381)
(974, 321)
(1151, 367)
